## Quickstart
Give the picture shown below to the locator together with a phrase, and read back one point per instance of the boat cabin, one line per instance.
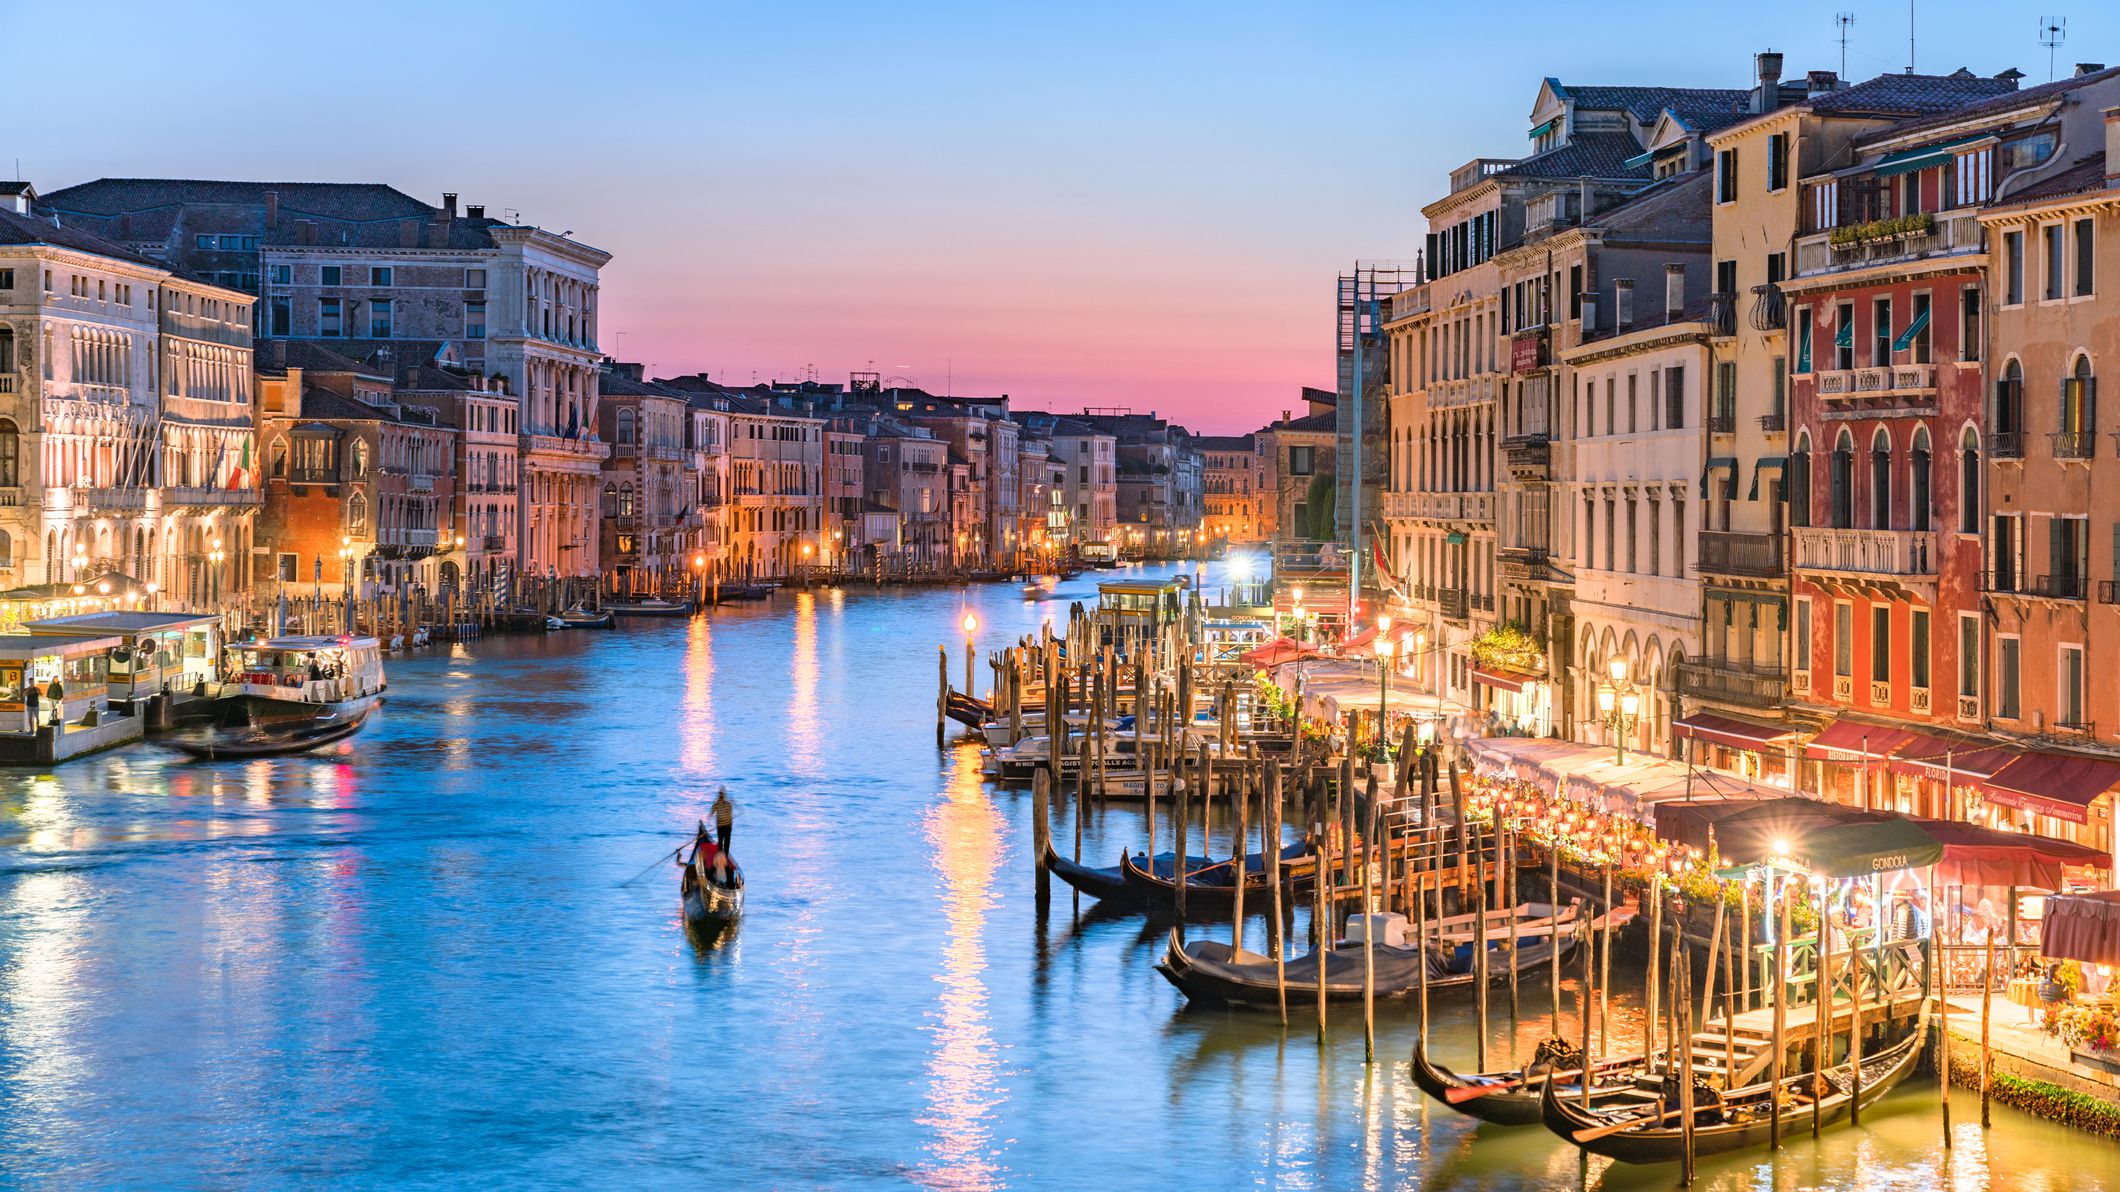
(80, 664)
(161, 651)
(311, 670)
(1129, 610)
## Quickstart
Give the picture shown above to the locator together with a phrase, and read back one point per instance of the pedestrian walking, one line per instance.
(724, 818)
(30, 698)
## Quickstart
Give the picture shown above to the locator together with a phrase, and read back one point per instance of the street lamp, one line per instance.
(1618, 701)
(214, 595)
(80, 559)
(1384, 649)
(971, 624)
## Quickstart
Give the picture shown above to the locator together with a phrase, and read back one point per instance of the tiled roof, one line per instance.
(323, 403)
(1702, 107)
(1223, 442)
(1673, 210)
(428, 377)
(14, 188)
(1589, 155)
(353, 214)
(1310, 422)
(16, 228)
(2086, 175)
(1910, 94)
(1999, 103)
(279, 355)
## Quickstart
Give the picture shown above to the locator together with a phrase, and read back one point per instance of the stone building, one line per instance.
(649, 510)
(1233, 494)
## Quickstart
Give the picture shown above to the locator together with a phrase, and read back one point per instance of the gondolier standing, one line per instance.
(724, 817)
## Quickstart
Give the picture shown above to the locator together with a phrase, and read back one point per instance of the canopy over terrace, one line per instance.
(110, 590)
(1273, 653)
(2083, 927)
(1838, 841)
(1639, 788)
(1334, 687)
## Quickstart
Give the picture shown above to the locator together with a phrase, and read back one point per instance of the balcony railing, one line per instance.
(2007, 444)
(1722, 313)
(1897, 380)
(493, 542)
(2074, 444)
(1733, 552)
(421, 484)
(1769, 312)
(1748, 686)
(2048, 587)
(1452, 602)
(1722, 424)
(1773, 424)
(1946, 235)
(7, 384)
(1866, 552)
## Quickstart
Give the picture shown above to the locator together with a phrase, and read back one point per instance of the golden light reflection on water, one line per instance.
(42, 984)
(965, 833)
(695, 728)
(805, 729)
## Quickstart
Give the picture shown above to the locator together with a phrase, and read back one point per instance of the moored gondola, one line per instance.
(1736, 1120)
(1210, 885)
(1512, 1098)
(1108, 882)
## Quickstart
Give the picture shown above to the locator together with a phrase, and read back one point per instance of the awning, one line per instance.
(1545, 128)
(1977, 856)
(1914, 328)
(1726, 730)
(1852, 740)
(1767, 463)
(1861, 849)
(1502, 680)
(2056, 784)
(1969, 765)
(2083, 927)
(1719, 461)
(1906, 161)
(1455, 538)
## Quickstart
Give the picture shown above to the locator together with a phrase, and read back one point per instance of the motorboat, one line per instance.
(654, 606)
(302, 678)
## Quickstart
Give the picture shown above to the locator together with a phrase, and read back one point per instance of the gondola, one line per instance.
(270, 740)
(1105, 883)
(1744, 1117)
(1205, 971)
(709, 909)
(580, 618)
(652, 607)
(1210, 885)
(1512, 1098)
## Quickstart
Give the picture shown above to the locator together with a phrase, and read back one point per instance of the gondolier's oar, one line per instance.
(652, 866)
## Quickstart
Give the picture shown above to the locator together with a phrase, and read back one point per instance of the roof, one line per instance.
(1587, 155)
(1675, 209)
(278, 355)
(1996, 104)
(17, 228)
(1325, 422)
(1706, 107)
(34, 645)
(1223, 442)
(354, 214)
(127, 621)
(1910, 94)
(2082, 178)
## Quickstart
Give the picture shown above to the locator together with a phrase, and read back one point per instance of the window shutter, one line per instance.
(2056, 549)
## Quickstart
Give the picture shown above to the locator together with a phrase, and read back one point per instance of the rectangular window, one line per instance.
(2069, 684)
(1844, 640)
(474, 320)
(1802, 640)
(2051, 237)
(1969, 655)
(283, 275)
(1726, 176)
(2086, 259)
(1725, 394)
(1299, 461)
(1778, 161)
(1918, 647)
(1880, 643)
(1781, 385)
(290, 568)
(7, 279)
(1881, 332)
(1678, 525)
(1575, 292)
(474, 279)
(1969, 324)
(328, 275)
(2013, 268)
(1633, 404)
(2007, 670)
(379, 319)
(328, 316)
(1920, 324)
(1633, 538)
(281, 317)
(1674, 397)
(379, 275)
(1844, 336)
(1656, 537)
(1726, 277)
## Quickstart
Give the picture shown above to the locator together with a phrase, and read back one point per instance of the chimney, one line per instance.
(2088, 68)
(2112, 145)
(448, 206)
(305, 231)
(476, 211)
(1767, 66)
(1674, 292)
(1286, 413)
(2010, 76)
(1623, 303)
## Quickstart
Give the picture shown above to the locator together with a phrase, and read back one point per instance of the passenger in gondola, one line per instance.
(723, 874)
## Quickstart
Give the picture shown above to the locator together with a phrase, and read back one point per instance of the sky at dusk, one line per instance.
(1131, 204)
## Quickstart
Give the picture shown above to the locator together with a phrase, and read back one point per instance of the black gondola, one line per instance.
(1210, 885)
(1107, 883)
(1743, 1118)
(269, 740)
(1512, 1098)
(710, 908)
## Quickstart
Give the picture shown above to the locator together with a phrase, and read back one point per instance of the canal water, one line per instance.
(424, 961)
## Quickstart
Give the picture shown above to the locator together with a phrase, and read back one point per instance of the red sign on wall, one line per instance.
(1527, 352)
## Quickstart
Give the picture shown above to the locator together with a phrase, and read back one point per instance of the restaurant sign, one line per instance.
(1527, 352)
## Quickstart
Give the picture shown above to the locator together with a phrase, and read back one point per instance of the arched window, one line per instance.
(10, 448)
(2008, 426)
(279, 459)
(357, 514)
(360, 458)
(1799, 482)
(1881, 480)
(610, 500)
(1841, 482)
(625, 428)
(2079, 415)
(1969, 483)
(1919, 494)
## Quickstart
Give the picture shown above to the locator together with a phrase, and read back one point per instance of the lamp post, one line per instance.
(971, 623)
(213, 586)
(1384, 651)
(1619, 701)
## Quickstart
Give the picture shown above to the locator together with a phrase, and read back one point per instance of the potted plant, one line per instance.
(2092, 1033)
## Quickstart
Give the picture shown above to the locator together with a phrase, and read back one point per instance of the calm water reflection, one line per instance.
(419, 961)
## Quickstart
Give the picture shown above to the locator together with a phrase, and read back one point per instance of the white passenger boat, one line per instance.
(292, 677)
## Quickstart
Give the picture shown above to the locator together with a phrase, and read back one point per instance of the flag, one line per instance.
(1906, 338)
(239, 477)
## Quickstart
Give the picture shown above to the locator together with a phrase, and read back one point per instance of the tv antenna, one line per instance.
(1844, 20)
(1910, 36)
(2052, 32)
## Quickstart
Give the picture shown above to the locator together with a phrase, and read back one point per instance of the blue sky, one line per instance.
(1109, 204)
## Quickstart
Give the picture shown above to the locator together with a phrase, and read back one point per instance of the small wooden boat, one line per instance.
(710, 908)
(579, 617)
(1210, 884)
(652, 607)
(270, 740)
(1738, 1120)
(1033, 592)
(1512, 1098)
(729, 592)
(1104, 883)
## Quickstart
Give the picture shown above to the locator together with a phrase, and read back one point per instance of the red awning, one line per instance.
(1970, 765)
(1725, 730)
(2083, 927)
(1502, 680)
(2056, 784)
(1977, 856)
(1851, 740)
(1360, 641)
(1276, 652)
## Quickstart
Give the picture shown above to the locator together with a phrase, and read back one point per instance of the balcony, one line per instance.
(10, 497)
(200, 494)
(493, 542)
(102, 500)
(1769, 312)
(1529, 454)
(1399, 504)
(1722, 314)
(420, 484)
(1733, 683)
(2074, 444)
(2040, 587)
(1722, 424)
(1909, 553)
(1898, 380)
(2007, 444)
(1453, 506)
(1732, 552)
(1452, 602)
(1870, 244)
(1773, 424)
(7, 384)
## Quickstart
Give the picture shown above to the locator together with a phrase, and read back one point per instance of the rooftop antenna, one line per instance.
(1844, 19)
(1910, 36)
(2052, 32)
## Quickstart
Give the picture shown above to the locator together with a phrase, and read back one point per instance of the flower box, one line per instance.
(2104, 1061)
